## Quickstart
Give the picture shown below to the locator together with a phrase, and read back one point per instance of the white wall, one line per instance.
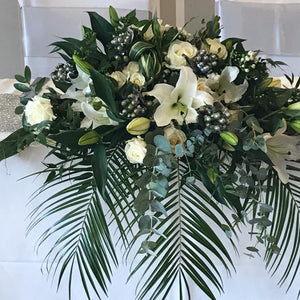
(11, 50)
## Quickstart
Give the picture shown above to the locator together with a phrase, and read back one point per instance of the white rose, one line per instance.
(177, 52)
(174, 136)
(38, 110)
(138, 79)
(132, 67)
(119, 77)
(217, 48)
(135, 150)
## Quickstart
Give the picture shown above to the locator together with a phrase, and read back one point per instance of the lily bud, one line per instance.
(138, 126)
(228, 147)
(229, 137)
(276, 82)
(295, 125)
(212, 174)
(294, 106)
(83, 65)
(91, 137)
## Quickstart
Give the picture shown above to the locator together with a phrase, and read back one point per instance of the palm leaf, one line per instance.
(191, 248)
(84, 240)
(285, 199)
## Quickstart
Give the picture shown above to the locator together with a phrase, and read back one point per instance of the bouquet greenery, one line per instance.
(163, 130)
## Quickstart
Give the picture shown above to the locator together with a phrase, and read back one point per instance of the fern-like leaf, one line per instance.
(191, 247)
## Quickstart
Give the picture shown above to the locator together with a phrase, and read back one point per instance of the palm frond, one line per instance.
(84, 239)
(83, 225)
(192, 245)
(283, 255)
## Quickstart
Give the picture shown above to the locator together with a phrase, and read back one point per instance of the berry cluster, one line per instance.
(205, 62)
(120, 43)
(64, 73)
(215, 117)
(135, 105)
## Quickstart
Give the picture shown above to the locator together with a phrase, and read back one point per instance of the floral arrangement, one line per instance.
(167, 132)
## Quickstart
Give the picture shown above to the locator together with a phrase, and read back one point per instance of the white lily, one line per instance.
(179, 102)
(224, 87)
(81, 82)
(93, 117)
(281, 147)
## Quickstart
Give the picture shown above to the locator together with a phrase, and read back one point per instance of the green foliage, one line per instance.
(15, 142)
(180, 257)
(285, 200)
(103, 29)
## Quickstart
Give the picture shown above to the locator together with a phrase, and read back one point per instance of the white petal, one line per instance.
(234, 93)
(229, 74)
(161, 92)
(191, 116)
(186, 85)
(164, 114)
(99, 117)
(86, 123)
(282, 171)
(202, 98)
(76, 106)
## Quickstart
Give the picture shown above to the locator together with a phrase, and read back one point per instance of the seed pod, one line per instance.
(294, 106)
(295, 125)
(83, 65)
(90, 138)
(138, 126)
(229, 137)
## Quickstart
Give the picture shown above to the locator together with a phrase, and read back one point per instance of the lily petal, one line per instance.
(161, 92)
(191, 116)
(234, 93)
(166, 112)
(229, 74)
(186, 85)
(202, 98)
(98, 117)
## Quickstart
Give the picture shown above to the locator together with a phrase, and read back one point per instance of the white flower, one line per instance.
(131, 68)
(138, 79)
(119, 77)
(38, 110)
(180, 102)
(217, 48)
(177, 52)
(174, 136)
(136, 150)
(81, 82)
(281, 147)
(224, 87)
(93, 117)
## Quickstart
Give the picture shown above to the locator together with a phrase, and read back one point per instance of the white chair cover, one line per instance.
(46, 21)
(268, 25)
